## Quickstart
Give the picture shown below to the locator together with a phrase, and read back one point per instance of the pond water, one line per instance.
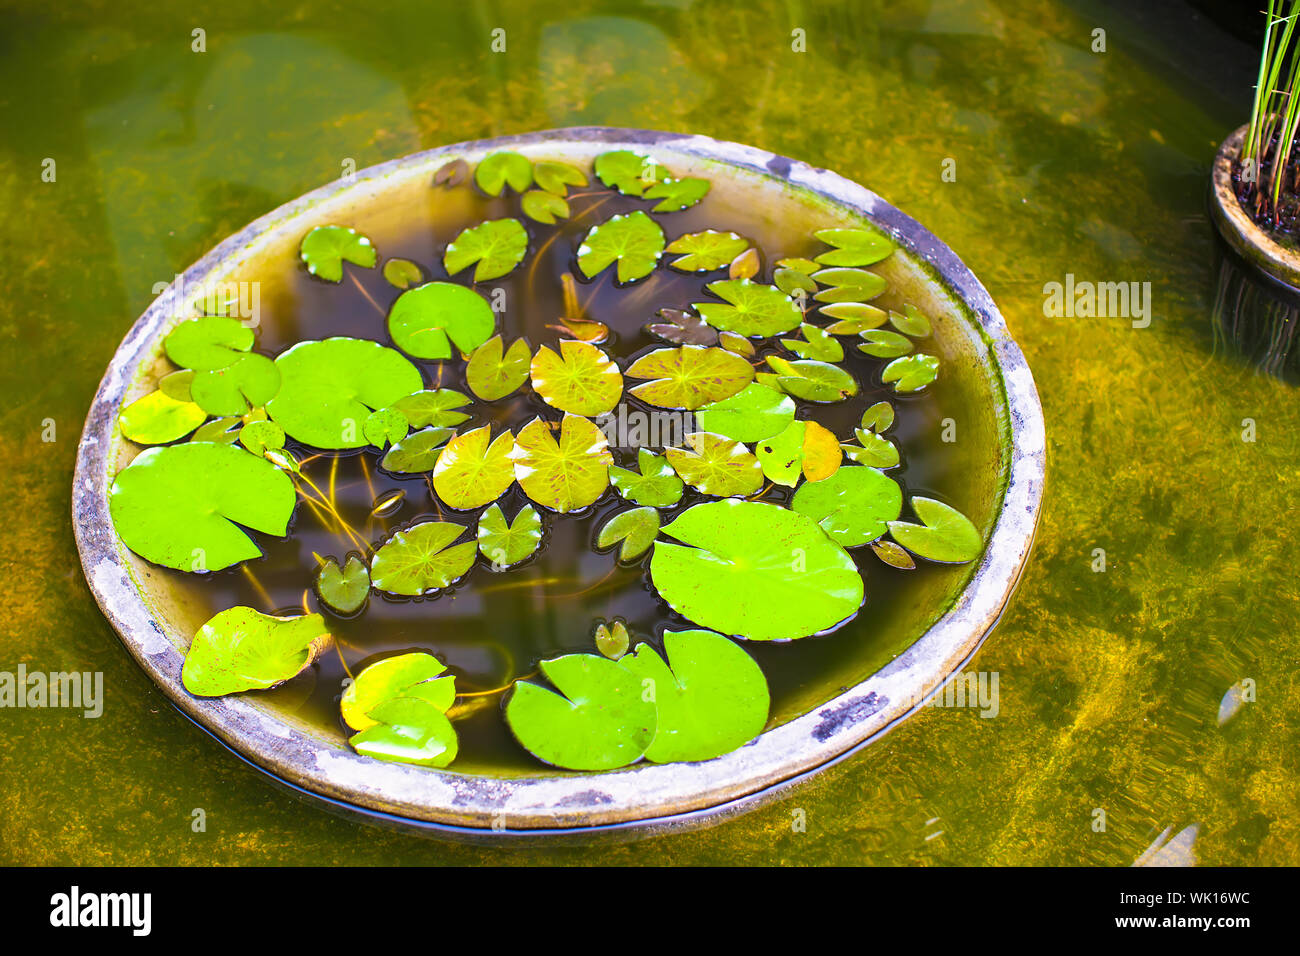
(1067, 162)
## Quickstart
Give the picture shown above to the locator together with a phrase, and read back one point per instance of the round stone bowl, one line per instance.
(1277, 262)
(999, 465)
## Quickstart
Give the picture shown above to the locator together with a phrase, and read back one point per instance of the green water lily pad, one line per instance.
(657, 485)
(806, 266)
(329, 388)
(683, 328)
(854, 506)
(881, 343)
(415, 675)
(706, 251)
(636, 529)
(385, 427)
(402, 273)
(852, 318)
(497, 245)
(892, 555)
(879, 417)
(713, 700)
(257, 437)
(180, 505)
(433, 407)
(911, 374)
(176, 385)
(633, 240)
(749, 308)
(677, 194)
(250, 381)
(745, 266)
(947, 535)
(628, 172)
(417, 452)
(912, 321)
(856, 286)
(716, 465)
(734, 342)
(793, 282)
(326, 248)
(222, 430)
(410, 730)
(555, 177)
(424, 319)
(813, 381)
(874, 450)
(504, 543)
(422, 559)
(599, 720)
(504, 168)
(544, 207)
(754, 413)
(580, 379)
(242, 649)
(612, 640)
(755, 570)
(208, 342)
(853, 247)
(494, 371)
(565, 474)
(804, 448)
(473, 470)
(690, 376)
(156, 419)
(343, 589)
(818, 344)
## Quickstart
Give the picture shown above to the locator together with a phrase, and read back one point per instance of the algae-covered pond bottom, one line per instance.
(1164, 571)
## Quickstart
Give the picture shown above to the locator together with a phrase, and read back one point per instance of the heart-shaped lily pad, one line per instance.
(749, 308)
(422, 559)
(636, 529)
(813, 381)
(343, 589)
(504, 168)
(706, 251)
(580, 379)
(599, 720)
(752, 414)
(690, 376)
(911, 373)
(854, 506)
(418, 451)
(494, 371)
(853, 247)
(505, 543)
(156, 419)
(544, 207)
(947, 535)
(628, 172)
(716, 465)
(677, 194)
(326, 248)
(473, 469)
(713, 700)
(755, 570)
(258, 436)
(388, 426)
(208, 342)
(329, 388)
(410, 730)
(242, 649)
(874, 450)
(657, 485)
(555, 177)
(433, 407)
(249, 382)
(424, 319)
(633, 240)
(181, 505)
(818, 344)
(497, 245)
(417, 675)
(803, 448)
(565, 474)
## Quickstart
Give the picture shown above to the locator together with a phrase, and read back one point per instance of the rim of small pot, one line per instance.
(1238, 229)
(645, 797)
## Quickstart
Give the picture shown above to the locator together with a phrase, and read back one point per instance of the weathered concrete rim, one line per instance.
(641, 795)
(1239, 230)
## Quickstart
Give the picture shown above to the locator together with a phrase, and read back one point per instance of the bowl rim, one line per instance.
(643, 798)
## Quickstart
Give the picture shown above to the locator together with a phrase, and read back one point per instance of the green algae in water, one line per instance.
(594, 276)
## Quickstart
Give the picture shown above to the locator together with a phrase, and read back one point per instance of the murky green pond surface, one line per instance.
(1067, 162)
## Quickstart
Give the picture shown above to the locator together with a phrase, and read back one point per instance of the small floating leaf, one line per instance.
(893, 555)
(180, 505)
(501, 169)
(657, 485)
(874, 450)
(583, 330)
(706, 251)
(628, 172)
(433, 407)
(207, 343)
(636, 529)
(415, 675)
(813, 381)
(946, 536)
(683, 328)
(544, 207)
(326, 248)
(156, 419)
(911, 374)
(633, 240)
(677, 194)
(417, 452)
(385, 427)
(257, 437)
(790, 282)
(422, 559)
(734, 342)
(854, 317)
(806, 266)
(755, 570)
(423, 319)
(690, 376)
(409, 731)
(612, 641)
(601, 722)
(849, 285)
(712, 701)
(580, 379)
(803, 448)
(752, 414)
(223, 430)
(328, 388)
(564, 475)
(506, 544)
(471, 472)
(497, 245)
(494, 372)
(853, 247)
(854, 506)
(242, 649)
(745, 265)
(343, 589)
(749, 308)
(884, 344)
(911, 322)
(248, 382)
(818, 344)
(451, 173)
(555, 177)
(716, 465)
(402, 273)
(879, 417)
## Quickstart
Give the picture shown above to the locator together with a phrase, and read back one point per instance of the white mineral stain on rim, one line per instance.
(637, 800)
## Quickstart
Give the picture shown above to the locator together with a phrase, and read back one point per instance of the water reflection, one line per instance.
(1254, 317)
